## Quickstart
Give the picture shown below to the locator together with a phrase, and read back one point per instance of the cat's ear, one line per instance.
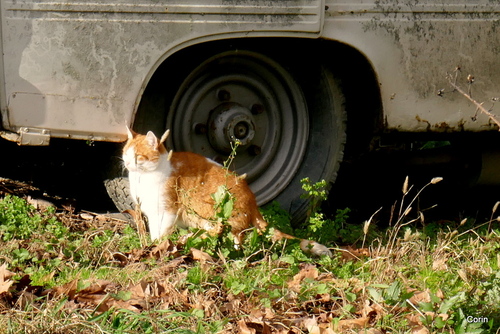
(152, 140)
(130, 133)
(165, 136)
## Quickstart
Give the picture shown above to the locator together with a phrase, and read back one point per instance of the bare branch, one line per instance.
(479, 106)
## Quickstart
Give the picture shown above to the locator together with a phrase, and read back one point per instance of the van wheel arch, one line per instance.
(322, 86)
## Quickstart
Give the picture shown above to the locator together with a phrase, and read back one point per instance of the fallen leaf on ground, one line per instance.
(353, 323)
(243, 328)
(164, 249)
(420, 330)
(440, 264)
(308, 271)
(350, 253)
(68, 289)
(203, 257)
(420, 297)
(370, 331)
(5, 281)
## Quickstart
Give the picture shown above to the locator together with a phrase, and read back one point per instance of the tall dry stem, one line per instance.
(495, 207)
(366, 227)
(404, 211)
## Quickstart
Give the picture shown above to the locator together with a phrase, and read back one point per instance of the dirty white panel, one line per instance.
(414, 46)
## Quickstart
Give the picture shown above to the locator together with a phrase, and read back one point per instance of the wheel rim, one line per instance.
(248, 97)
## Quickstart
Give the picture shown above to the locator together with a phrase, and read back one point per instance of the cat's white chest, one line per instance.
(148, 190)
(147, 187)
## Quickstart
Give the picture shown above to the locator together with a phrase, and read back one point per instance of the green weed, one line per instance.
(439, 279)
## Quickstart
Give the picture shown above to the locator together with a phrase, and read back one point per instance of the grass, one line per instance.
(64, 272)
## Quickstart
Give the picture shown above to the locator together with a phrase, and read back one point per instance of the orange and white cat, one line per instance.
(174, 189)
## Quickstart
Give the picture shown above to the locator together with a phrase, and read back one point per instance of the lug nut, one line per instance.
(200, 129)
(257, 109)
(254, 150)
(223, 95)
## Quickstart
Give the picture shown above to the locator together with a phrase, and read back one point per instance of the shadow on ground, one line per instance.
(70, 172)
(65, 172)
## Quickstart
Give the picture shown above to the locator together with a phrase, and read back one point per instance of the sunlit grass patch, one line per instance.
(63, 272)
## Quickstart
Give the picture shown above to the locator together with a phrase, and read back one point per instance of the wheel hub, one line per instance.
(247, 97)
(228, 123)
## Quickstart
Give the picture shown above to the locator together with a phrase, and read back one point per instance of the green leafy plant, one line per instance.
(264, 285)
(18, 220)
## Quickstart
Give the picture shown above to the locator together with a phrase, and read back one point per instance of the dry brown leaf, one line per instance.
(121, 258)
(86, 216)
(314, 327)
(269, 313)
(440, 264)
(68, 289)
(5, 281)
(164, 249)
(311, 324)
(327, 331)
(353, 323)
(243, 328)
(130, 305)
(200, 255)
(350, 253)
(99, 287)
(256, 314)
(370, 331)
(413, 320)
(256, 319)
(419, 330)
(95, 298)
(232, 306)
(96, 294)
(308, 271)
(203, 257)
(419, 297)
(138, 290)
(325, 318)
(25, 299)
(4, 273)
(155, 289)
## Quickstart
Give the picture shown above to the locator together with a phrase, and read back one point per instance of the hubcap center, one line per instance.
(230, 122)
(241, 130)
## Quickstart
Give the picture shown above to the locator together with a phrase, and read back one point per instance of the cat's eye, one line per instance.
(140, 158)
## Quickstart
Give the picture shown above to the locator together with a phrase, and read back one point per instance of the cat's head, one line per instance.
(143, 152)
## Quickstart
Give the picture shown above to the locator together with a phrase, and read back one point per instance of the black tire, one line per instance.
(312, 89)
(117, 185)
(327, 138)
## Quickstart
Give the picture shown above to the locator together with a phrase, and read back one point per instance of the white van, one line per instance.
(288, 78)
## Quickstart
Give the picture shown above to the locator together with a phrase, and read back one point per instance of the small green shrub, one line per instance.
(19, 220)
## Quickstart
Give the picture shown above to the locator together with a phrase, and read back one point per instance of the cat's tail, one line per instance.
(308, 246)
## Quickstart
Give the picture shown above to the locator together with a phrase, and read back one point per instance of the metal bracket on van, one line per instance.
(10, 136)
(34, 137)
